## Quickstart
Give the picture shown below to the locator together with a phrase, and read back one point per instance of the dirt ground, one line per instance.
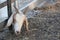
(44, 25)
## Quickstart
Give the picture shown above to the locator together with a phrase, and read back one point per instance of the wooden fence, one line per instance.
(25, 6)
(5, 8)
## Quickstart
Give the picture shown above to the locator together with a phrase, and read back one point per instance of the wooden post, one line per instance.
(9, 8)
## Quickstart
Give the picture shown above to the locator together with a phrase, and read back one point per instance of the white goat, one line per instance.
(18, 19)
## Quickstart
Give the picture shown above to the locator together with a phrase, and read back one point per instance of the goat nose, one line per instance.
(17, 32)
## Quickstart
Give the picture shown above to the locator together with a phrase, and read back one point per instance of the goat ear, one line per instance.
(10, 21)
(17, 10)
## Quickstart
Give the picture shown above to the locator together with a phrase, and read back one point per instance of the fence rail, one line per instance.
(5, 4)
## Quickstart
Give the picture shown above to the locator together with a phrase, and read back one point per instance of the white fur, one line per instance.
(19, 22)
